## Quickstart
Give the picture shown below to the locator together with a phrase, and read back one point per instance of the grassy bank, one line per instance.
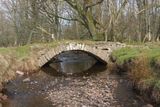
(152, 52)
(142, 64)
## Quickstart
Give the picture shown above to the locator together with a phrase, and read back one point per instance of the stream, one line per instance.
(72, 79)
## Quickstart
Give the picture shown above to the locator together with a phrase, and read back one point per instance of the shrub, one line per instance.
(140, 70)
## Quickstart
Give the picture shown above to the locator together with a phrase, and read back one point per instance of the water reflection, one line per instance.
(71, 62)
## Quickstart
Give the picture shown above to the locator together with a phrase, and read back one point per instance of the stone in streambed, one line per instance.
(148, 105)
(20, 73)
(27, 80)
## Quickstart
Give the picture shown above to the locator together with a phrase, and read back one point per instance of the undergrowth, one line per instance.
(140, 70)
(144, 68)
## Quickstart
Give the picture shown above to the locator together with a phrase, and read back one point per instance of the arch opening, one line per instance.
(74, 62)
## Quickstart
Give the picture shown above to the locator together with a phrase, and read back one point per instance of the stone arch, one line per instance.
(100, 54)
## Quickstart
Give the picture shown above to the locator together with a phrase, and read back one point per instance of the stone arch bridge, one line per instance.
(99, 51)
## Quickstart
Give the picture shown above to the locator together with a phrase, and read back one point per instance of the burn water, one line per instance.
(72, 71)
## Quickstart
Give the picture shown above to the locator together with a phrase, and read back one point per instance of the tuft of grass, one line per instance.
(23, 51)
(124, 54)
(140, 70)
(6, 51)
(19, 52)
(154, 55)
(157, 83)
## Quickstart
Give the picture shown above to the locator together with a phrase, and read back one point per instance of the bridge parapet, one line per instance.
(101, 52)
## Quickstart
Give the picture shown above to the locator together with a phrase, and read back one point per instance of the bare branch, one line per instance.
(94, 4)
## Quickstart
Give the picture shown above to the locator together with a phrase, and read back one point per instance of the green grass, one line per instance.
(127, 53)
(22, 52)
(5, 50)
(19, 52)
(153, 82)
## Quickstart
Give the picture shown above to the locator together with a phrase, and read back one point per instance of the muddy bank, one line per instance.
(10, 67)
(141, 75)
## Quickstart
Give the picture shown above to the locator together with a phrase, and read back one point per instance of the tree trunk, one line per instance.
(96, 34)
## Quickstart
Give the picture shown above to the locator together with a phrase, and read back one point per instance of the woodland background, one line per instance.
(29, 21)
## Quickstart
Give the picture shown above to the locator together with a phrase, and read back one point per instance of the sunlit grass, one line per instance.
(18, 52)
(22, 51)
(153, 54)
